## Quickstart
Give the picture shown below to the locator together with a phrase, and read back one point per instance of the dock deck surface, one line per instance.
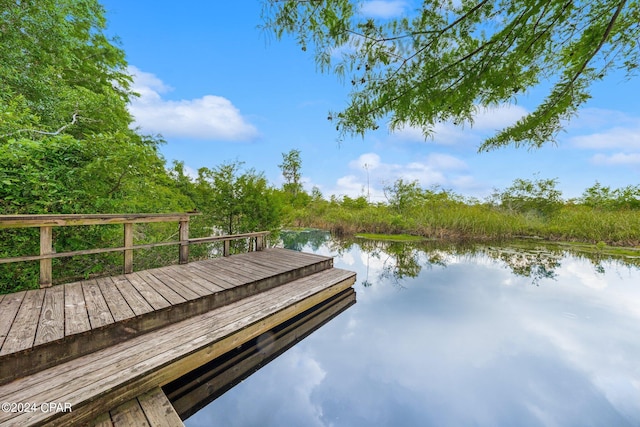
(41, 328)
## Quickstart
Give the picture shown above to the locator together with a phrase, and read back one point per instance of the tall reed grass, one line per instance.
(462, 221)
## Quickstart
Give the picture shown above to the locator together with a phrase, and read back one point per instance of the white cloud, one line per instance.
(445, 161)
(617, 159)
(351, 185)
(434, 169)
(598, 118)
(370, 160)
(499, 117)
(485, 121)
(616, 137)
(383, 9)
(210, 117)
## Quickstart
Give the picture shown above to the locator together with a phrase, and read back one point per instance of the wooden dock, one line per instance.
(97, 352)
(39, 328)
(261, 290)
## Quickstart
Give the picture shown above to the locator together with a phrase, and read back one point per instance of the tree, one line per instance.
(449, 58)
(402, 196)
(65, 141)
(539, 196)
(237, 201)
(58, 71)
(602, 197)
(290, 167)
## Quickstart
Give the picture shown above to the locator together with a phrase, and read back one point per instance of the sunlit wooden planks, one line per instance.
(81, 317)
(22, 334)
(9, 307)
(195, 390)
(51, 322)
(158, 409)
(96, 382)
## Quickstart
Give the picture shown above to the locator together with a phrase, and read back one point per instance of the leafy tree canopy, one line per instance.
(290, 167)
(237, 200)
(448, 58)
(58, 71)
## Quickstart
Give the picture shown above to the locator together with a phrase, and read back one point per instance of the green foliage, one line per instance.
(57, 69)
(237, 201)
(403, 195)
(290, 167)
(532, 208)
(538, 197)
(65, 142)
(603, 197)
(444, 60)
(104, 173)
(357, 203)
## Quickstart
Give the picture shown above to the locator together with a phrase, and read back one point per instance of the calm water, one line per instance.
(484, 336)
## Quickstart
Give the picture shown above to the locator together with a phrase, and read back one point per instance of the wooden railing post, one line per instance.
(260, 242)
(184, 241)
(226, 248)
(128, 242)
(46, 247)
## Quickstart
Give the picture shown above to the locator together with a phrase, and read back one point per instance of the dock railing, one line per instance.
(46, 223)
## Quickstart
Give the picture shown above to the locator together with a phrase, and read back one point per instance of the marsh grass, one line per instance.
(462, 221)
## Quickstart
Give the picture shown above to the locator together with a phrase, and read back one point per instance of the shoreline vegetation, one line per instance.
(529, 209)
(477, 223)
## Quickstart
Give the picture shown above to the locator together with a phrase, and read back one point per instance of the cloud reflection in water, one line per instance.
(465, 342)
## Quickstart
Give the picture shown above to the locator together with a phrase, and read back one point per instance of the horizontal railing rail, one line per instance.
(47, 222)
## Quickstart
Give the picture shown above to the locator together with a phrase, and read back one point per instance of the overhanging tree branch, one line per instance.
(445, 59)
(74, 120)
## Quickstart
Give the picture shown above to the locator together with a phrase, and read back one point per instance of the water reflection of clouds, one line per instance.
(456, 347)
(262, 400)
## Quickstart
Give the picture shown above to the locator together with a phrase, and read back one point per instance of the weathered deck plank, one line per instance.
(23, 331)
(124, 306)
(181, 290)
(118, 306)
(151, 295)
(76, 318)
(8, 309)
(129, 414)
(136, 301)
(159, 410)
(255, 271)
(175, 276)
(210, 276)
(51, 323)
(191, 331)
(170, 281)
(104, 420)
(97, 308)
(206, 269)
(152, 409)
(234, 274)
(197, 389)
(205, 283)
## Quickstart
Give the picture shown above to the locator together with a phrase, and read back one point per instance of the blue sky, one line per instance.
(220, 89)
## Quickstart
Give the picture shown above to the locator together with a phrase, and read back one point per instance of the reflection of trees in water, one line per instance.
(401, 260)
(541, 260)
(536, 263)
(298, 239)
